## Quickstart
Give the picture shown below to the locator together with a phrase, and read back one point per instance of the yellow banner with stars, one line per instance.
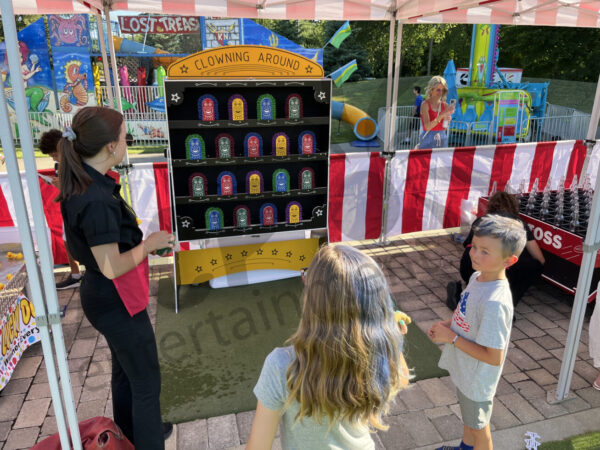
(198, 266)
(244, 61)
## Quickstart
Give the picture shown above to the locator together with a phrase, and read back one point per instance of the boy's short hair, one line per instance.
(49, 141)
(418, 89)
(510, 232)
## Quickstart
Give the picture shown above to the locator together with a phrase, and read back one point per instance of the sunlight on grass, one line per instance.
(588, 441)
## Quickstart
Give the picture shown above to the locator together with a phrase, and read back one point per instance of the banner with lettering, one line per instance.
(18, 332)
(159, 24)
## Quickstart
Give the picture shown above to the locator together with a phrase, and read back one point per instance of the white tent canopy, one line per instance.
(569, 13)
(564, 13)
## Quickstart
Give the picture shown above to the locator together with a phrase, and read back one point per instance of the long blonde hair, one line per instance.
(435, 80)
(348, 363)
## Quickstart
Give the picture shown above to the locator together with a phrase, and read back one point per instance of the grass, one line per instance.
(587, 441)
(370, 96)
(134, 150)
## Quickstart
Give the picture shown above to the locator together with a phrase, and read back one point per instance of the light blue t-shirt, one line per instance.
(484, 316)
(271, 391)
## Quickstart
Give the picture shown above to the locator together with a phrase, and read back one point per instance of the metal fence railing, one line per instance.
(149, 125)
(570, 124)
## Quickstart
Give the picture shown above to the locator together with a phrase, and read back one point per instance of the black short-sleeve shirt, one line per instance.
(98, 216)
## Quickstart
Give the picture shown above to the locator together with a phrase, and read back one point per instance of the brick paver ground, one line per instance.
(427, 413)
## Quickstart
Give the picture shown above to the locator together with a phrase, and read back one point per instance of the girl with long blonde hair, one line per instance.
(332, 385)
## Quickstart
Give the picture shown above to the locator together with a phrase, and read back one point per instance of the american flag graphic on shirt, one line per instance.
(460, 313)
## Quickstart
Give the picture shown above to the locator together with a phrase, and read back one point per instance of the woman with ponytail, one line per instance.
(102, 233)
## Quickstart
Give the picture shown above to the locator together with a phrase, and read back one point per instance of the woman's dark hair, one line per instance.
(49, 141)
(94, 127)
(503, 202)
(418, 89)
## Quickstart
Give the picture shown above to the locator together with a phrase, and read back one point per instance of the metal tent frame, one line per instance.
(577, 13)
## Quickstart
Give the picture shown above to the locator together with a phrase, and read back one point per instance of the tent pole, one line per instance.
(35, 290)
(113, 62)
(391, 122)
(388, 100)
(592, 130)
(52, 319)
(586, 270)
(386, 134)
(107, 81)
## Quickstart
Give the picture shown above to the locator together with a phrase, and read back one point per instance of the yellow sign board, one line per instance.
(245, 61)
(198, 266)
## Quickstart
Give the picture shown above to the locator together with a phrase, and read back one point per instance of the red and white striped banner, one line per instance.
(502, 12)
(355, 196)
(584, 13)
(52, 213)
(428, 186)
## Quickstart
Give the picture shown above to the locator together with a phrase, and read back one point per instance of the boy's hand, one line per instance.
(441, 333)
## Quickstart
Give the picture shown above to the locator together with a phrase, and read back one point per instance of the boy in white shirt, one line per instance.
(478, 334)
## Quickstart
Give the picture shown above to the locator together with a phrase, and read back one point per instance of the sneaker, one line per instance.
(453, 294)
(68, 283)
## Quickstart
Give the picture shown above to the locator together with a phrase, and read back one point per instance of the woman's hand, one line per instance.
(158, 240)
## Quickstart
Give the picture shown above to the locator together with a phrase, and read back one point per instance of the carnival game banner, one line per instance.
(159, 24)
(221, 32)
(18, 331)
(70, 43)
(35, 69)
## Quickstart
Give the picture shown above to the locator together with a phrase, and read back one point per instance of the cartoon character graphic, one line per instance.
(198, 187)
(254, 184)
(281, 182)
(281, 146)
(266, 109)
(226, 185)
(294, 107)
(208, 110)
(221, 33)
(76, 87)
(195, 148)
(37, 100)
(268, 216)
(294, 214)
(253, 147)
(214, 221)
(68, 31)
(152, 132)
(307, 144)
(224, 148)
(237, 109)
(307, 180)
(242, 218)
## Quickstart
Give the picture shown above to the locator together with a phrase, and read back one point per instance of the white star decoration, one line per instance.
(185, 223)
(175, 97)
(319, 212)
(322, 95)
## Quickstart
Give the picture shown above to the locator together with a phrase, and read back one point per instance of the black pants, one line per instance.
(520, 275)
(135, 369)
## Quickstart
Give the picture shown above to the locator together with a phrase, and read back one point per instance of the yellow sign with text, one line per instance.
(198, 266)
(245, 61)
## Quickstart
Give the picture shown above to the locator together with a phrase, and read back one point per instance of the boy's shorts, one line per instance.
(475, 415)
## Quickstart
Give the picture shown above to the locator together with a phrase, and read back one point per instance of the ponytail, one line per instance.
(93, 127)
(73, 179)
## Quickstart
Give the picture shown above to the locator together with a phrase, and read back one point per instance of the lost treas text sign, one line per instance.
(159, 24)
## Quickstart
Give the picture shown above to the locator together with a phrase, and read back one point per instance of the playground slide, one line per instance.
(365, 128)
(127, 46)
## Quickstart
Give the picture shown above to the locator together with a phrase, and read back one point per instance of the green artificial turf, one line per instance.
(212, 352)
